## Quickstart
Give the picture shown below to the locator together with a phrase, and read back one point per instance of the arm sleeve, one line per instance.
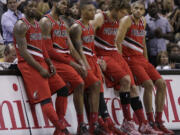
(53, 54)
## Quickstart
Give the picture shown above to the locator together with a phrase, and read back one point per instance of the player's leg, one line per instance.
(159, 98)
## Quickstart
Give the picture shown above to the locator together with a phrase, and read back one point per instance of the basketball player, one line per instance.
(131, 34)
(38, 72)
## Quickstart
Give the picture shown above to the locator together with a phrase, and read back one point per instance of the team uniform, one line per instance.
(37, 87)
(94, 74)
(133, 53)
(60, 47)
(105, 48)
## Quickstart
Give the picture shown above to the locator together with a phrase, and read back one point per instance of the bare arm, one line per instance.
(124, 25)
(46, 27)
(20, 30)
(144, 41)
(75, 34)
(74, 52)
(98, 21)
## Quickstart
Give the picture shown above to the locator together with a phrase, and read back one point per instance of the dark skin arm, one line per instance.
(20, 30)
(75, 33)
(46, 27)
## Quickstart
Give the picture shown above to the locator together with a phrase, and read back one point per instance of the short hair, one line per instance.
(158, 59)
(141, 2)
(7, 1)
(119, 4)
(84, 3)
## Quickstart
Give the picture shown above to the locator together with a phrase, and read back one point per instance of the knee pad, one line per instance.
(64, 92)
(46, 101)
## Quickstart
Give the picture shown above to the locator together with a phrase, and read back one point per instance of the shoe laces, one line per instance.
(131, 123)
(66, 131)
(83, 128)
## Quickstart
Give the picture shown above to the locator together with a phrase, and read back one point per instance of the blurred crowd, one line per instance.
(162, 28)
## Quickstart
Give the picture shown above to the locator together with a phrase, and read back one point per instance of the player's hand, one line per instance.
(44, 73)
(102, 64)
(80, 69)
(52, 70)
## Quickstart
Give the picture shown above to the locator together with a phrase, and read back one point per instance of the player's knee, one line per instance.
(97, 85)
(46, 101)
(125, 82)
(81, 86)
(134, 91)
(160, 84)
(79, 89)
(148, 85)
(64, 92)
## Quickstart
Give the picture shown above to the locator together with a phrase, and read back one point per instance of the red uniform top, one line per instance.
(34, 42)
(58, 50)
(87, 39)
(105, 37)
(133, 42)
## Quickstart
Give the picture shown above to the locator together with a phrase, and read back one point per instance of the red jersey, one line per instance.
(59, 35)
(58, 50)
(34, 42)
(87, 39)
(105, 36)
(133, 42)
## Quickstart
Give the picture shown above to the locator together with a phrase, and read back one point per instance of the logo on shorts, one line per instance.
(112, 79)
(36, 95)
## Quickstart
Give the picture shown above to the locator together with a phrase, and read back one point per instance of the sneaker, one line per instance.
(153, 125)
(66, 132)
(61, 124)
(161, 126)
(95, 129)
(117, 131)
(82, 129)
(148, 130)
(129, 127)
(58, 132)
(104, 126)
(113, 128)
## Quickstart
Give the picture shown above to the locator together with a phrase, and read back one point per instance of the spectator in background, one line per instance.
(9, 54)
(2, 5)
(158, 30)
(174, 20)
(163, 61)
(174, 55)
(167, 7)
(103, 6)
(1, 48)
(9, 19)
(43, 7)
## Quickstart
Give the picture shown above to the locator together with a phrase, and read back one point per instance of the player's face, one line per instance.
(89, 12)
(31, 9)
(121, 13)
(138, 10)
(61, 6)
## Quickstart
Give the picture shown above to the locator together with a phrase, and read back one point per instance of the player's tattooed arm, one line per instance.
(75, 34)
(46, 27)
(124, 25)
(19, 32)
